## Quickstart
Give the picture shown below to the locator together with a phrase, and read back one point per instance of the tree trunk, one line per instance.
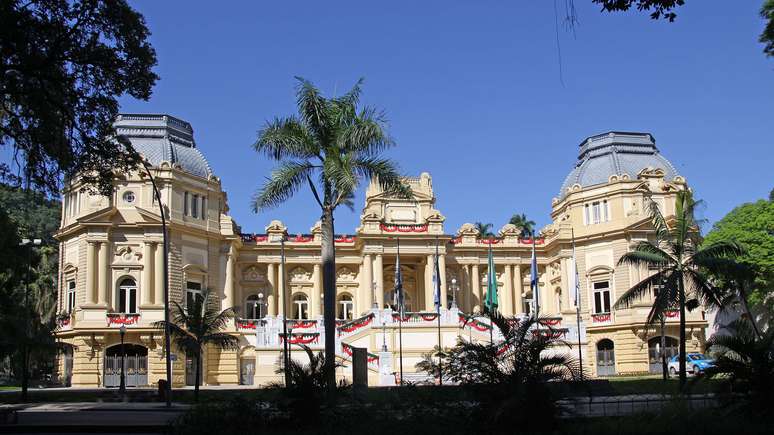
(664, 368)
(682, 357)
(25, 380)
(198, 374)
(329, 297)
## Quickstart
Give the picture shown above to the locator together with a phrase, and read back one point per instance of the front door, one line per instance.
(605, 358)
(135, 366)
(247, 371)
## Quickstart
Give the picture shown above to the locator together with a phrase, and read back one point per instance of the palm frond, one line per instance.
(705, 255)
(313, 108)
(366, 135)
(284, 182)
(700, 288)
(221, 340)
(284, 138)
(645, 254)
(385, 173)
(641, 289)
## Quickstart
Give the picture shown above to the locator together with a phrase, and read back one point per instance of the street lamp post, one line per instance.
(285, 350)
(122, 332)
(165, 241)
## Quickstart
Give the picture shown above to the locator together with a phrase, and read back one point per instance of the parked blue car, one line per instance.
(696, 363)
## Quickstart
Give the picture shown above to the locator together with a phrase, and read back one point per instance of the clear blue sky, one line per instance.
(473, 94)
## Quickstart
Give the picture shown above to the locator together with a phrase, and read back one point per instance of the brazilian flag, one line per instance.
(490, 303)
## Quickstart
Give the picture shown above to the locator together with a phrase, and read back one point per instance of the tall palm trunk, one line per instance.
(682, 356)
(329, 296)
(664, 367)
(197, 374)
(748, 311)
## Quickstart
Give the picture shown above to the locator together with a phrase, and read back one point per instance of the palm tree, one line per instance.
(681, 264)
(746, 357)
(527, 226)
(513, 374)
(193, 328)
(484, 230)
(332, 146)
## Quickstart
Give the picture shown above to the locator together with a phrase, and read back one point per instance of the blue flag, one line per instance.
(437, 284)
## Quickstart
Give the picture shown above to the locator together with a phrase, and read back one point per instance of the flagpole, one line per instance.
(490, 265)
(577, 302)
(535, 279)
(400, 310)
(437, 290)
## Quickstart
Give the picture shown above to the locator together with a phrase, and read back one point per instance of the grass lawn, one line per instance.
(626, 385)
(8, 388)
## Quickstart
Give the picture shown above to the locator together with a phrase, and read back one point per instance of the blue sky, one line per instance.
(473, 93)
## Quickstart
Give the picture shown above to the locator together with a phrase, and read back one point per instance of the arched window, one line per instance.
(126, 296)
(605, 358)
(300, 306)
(255, 306)
(346, 308)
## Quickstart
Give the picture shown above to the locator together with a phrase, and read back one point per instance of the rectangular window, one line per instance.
(605, 211)
(70, 296)
(601, 297)
(185, 203)
(204, 208)
(595, 212)
(194, 206)
(586, 216)
(193, 292)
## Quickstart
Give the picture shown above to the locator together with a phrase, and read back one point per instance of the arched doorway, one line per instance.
(135, 360)
(670, 349)
(605, 358)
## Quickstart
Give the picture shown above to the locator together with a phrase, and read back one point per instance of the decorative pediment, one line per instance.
(509, 230)
(103, 216)
(69, 268)
(650, 172)
(253, 274)
(299, 274)
(194, 269)
(128, 254)
(276, 226)
(346, 274)
(467, 229)
(435, 216)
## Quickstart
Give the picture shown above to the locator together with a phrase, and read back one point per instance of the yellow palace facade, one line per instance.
(111, 269)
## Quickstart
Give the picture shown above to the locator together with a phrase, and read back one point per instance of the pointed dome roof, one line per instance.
(615, 153)
(164, 138)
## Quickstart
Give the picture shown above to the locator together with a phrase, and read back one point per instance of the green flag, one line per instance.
(491, 286)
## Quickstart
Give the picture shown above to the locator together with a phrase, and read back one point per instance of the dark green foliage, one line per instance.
(63, 65)
(526, 226)
(510, 378)
(661, 8)
(304, 396)
(484, 230)
(752, 226)
(193, 328)
(746, 362)
(767, 38)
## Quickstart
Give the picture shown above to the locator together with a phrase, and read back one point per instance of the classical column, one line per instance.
(103, 274)
(566, 290)
(442, 271)
(518, 300)
(271, 300)
(282, 292)
(507, 309)
(476, 278)
(379, 277)
(158, 274)
(429, 297)
(228, 291)
(91, 269)
(465, 288)
(419, 279)
(368, 282)
(314, 304)
(146, 290)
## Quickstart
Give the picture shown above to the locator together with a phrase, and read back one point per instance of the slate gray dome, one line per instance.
(615, 153)
(164, 138)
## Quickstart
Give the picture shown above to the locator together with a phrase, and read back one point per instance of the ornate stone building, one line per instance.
(112, 261)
